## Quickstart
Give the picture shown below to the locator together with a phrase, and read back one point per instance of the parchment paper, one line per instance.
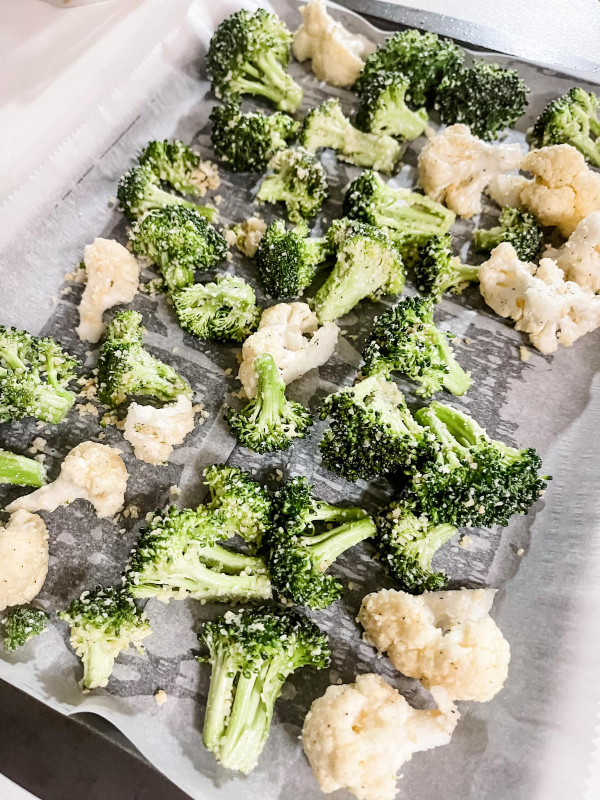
(534, 740)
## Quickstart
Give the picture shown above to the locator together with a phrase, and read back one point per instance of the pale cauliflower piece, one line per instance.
(23, 559)
(337, 55)
(92, 472)
(579, 258)
(113, 276)
(539, 300)
(445, 639)
(358, 736)
(505, 190)
(246, 235)
(281, 333)
(455, 167)
(564, 190)
(154, 432)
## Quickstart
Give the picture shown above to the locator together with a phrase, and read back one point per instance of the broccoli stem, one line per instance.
(159, 198)
(406, 219)
(270, 397)
(327, 546)
(271, 81)
(488, 240)
(149, 381)
(20, 470)
(458, 426)
(460, 275)
(98, 662)
(52, 404)
(219, 696)
(456, 381)
(423, 548)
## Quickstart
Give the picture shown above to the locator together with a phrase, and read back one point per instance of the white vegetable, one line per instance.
(358, 736)
(92, 472)
(579, 258)
(112, 277)
(337, 55)
(551, 310)
(445, 639)
(506, 190)
(281, 333)
(455, 167)
(154, 432)
(23, 559)
(246, 235)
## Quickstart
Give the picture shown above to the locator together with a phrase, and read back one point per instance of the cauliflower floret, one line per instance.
(113, 276)
(506, 190)
(23, 559)
(92, 472)
(281, 333)
(246, 235)
(337, 55)
(564, 189)
(579, 258)
(445, 639)
(358, 736)
(551, 310)
(154, 432)
(455, 167)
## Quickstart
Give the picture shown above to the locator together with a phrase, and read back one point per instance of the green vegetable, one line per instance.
(20, 470)
(178, 165)
(242, 505)
(571, 119)
(437, 270)
(519, 228)
(298, 180)
(22, 624)
(224, 311)
(383, 109)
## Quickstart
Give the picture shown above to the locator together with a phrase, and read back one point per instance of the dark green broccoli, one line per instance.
(519, 228)
(368, 264)
(307, 537)
(486, 97)
(20, 470)
(241, 504)
(287, 261)
(405, 339)
(126, 369)
(178, 555)
(571, 119)
(437, 270)
(407, 543)
(34, 375)
(104, 622)
(178, 165)
(179, 241)
(224, 311)
(298, 180)
(251, 653)
(248, 54)
(326, 126)
(247, 142)
(21, 624)
(383, 108)
(269, 421)
(423, 58)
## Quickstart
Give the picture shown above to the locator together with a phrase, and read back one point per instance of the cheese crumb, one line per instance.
(524, 354)
(520, 551)
(160, 697)
(465, 540)
(174, 491)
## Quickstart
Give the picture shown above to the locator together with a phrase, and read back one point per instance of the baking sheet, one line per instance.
(534, 740)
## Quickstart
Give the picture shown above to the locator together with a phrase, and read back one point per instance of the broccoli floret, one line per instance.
(438, 271)
(307, 537)
(179, 241)
(139, 192)
(406, 544)
(248, 54)
(178, 555)
(368, 264)
(423, 58)
(299, 180)
(104, 622)
(242, 505)
(251, 653)
(326, 126)
(34, 375)
(126, 369)
(371, 431)
(486, 97)
(177, 164)
(224, 311)
(472, 479)
(405, 339)
(519, 228)
(571, 119)
(383, 108)
(247, 142)
(20, 470)
(269, 421)
(22, 624)
(287, 261)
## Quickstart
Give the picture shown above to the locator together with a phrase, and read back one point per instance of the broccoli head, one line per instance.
(298, 180)
(405, 339)
(519, 228)
(252, 652)
(224, 311)
(486, 97)
(383, 108)
(269, 421)
(248, 54)
(179, 241)
(20, 470)
(247, 142)
(437, 270)
(104, 622)
(571, 119)
(34, 376)
(241, 504)
(178, 165)
(21, 624)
